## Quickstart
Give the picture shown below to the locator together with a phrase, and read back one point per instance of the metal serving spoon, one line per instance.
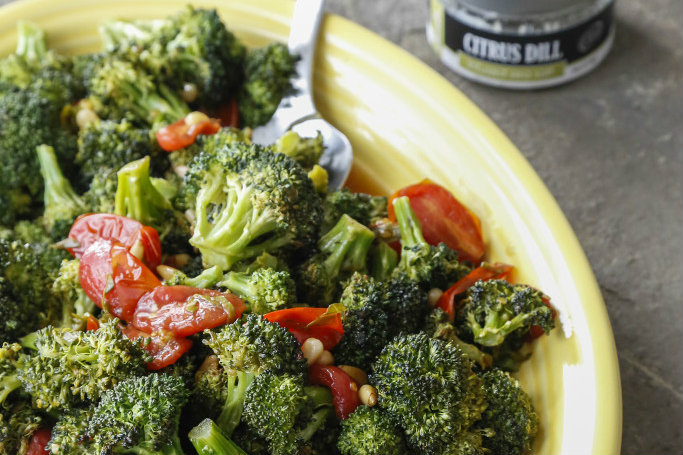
(297, 111)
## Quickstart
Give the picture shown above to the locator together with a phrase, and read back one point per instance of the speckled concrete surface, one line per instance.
(610, 148)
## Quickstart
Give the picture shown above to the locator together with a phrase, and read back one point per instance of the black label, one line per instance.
(569, 44)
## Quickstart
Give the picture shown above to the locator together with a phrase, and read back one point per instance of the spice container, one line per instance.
(522, 44)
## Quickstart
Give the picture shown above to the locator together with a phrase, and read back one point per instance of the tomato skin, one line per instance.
(166, 309)
(297, 319)
(131, 279)
(164, 349)
(38, 443)
(179, 135)
(485, 272)
(345, 399)
(90, 227)
(92, 324)
(443, 219)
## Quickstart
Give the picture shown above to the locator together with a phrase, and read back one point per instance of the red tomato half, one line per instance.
(164, 349)
(179, 134)
(105, 265)
(296, 320)
(484, 272)
(38, 443)
(89, 228)
(344, 397)
(443, 219)
(169, 309)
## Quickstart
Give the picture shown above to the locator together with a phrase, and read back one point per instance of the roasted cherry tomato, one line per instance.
(184, 310)
(104, 266)
(179, 134)
(89, 228)
(297, 321)
(535, 331)
(444, 219)
(38, 443)
(92, 324)
(344, 397)
(484, 272)
(165, 349)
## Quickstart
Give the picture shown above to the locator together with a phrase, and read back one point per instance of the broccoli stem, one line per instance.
(231, 413)
(7, 386)
(383, 261)
(347, 245)
(322, 404)
(239, 283)
(30, 41)
(136, 196)
(496, 327)
(205, 280)
(58, 191)
(411, 229)
(208, 439)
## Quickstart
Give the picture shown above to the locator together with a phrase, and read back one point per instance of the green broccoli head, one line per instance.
(15, 320)
(495, 309)
(70, 432)
(284, 413)
(431, 266)
(370, 431)
(251, 201)
(67, 290)
(362, 207)
(18, 422)
(429, 388)
(11, 360)
(110, 145)
(62, 204)
(304, 150)
(267, 79)
(101, 194)
(139, 415)
(405, 304)
(255, 345)
(438, 325)
(510, 414)
(81, 365)
(364, 321)
(263, 290)
(342, 251)
(120, 90)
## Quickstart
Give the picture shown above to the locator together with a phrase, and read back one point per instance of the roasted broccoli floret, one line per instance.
(110, 145)
(119, 90)
(510, 414)
(139, 415)
(364, 322)
(495, 309)
(80, 365)
(405, 304)
(428, 386)
(438, 325)
(137, 197)
(304, 150)
(70, 432)
(246, 348)
(205, 280)
(101, 194)
(342, 251)
(251, 201)
(263, 290)
(18, 422)
(192, 50)
(279, 409)
(370, 431)
(431, 266)
(267, 73)
(75, 304)
(15, 319)
(208, 439)
(62, 204)
(362, 207)
(382, 261)
(11, 360)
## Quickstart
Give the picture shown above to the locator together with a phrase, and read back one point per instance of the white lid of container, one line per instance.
(524, 7)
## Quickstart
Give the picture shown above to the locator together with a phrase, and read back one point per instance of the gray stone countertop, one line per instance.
(610, 148)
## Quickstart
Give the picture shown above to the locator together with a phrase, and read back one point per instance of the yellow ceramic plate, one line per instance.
(407, 123)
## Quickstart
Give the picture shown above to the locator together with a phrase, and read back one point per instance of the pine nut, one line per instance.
(196, 117)
(190, 92)
(181, 259)
(180, 170)
(368, 395)
(166, 272)
(355, 373)
(138, 249)
(353, 386)
(84, 117)
(433, 296)
(326, 358)
(312, 349)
